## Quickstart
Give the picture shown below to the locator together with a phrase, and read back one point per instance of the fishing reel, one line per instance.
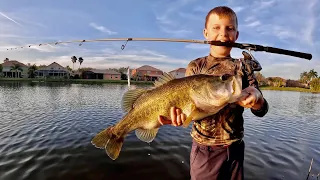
(250, 62)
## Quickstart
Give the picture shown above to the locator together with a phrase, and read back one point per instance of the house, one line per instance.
(7, 66)
(178, 73)
(105, 74)
(54, 70)
(146, 73)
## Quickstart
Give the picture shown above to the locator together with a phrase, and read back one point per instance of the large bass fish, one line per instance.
(198, 96)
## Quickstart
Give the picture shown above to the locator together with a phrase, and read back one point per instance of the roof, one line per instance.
(147, 68)
(54, 64)
(12, 62)
(104, 71)
(182, 70)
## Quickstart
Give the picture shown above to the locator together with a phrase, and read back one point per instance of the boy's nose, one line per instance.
(223, 32)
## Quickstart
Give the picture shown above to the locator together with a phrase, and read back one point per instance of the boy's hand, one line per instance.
(252, 99)
(176, 115)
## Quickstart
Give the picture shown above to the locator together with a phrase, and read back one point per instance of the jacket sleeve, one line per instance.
(253, 82)
(191, 69)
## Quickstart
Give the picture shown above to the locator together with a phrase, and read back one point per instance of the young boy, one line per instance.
(218, 150)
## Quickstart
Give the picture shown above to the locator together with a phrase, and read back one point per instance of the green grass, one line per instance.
(99, 81)
(76, 81)
(288, 89)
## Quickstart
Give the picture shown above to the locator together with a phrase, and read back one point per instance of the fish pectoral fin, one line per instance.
(193, 113)
(146, 135)
(130, 97)
(109, 141)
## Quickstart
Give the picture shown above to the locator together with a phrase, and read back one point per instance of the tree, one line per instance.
(307, 77)
(69, 68)
(31, 71)
(80, 61)
(315, 84)
(261, 79)
(73, 60)
(313, 74)
(15, 68)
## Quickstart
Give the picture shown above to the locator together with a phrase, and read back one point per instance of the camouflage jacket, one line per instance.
(226, 126)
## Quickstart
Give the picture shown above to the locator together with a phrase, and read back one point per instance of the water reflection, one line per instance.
(45, 133)
(308, 103)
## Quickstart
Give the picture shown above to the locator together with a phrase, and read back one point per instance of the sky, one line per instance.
(286, 24)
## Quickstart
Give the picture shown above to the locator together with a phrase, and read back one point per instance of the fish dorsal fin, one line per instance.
(130, 97)
(166, 77)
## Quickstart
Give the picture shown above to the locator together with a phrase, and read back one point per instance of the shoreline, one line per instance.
(295, 89)
(99, 81)
(75, 81)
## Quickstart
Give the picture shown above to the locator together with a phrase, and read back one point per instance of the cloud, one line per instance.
(102, 29)
(254, 24)
(262, 5)
(238, 9)
(169, 19)
(176, 32)
(200, 9)
(197, 46)
(190, 16)
(10, 19)
(265, 22)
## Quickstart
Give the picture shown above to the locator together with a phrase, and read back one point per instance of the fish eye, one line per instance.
(225, 77)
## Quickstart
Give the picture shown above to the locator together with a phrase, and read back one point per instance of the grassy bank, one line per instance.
(76, 81)
(288, 89)
(98, 81)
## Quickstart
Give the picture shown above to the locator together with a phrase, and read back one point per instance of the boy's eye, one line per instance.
(231, 28)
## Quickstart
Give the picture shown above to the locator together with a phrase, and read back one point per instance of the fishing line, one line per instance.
(247, 46)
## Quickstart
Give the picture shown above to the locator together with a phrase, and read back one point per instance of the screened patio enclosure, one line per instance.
(51, 73)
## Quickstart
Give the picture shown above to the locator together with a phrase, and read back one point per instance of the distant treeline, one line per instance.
(309, 80)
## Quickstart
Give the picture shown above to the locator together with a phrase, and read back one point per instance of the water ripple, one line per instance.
(45, 133)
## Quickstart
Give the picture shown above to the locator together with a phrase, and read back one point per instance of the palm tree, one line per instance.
(312, 74)
(73, 60)
(31, 71)
(304, 77)
(15, 68)
(80, 61)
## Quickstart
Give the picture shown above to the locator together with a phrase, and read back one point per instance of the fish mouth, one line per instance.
(235, 86)
(232, 86)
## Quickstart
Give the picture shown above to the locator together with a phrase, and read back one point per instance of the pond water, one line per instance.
(45, 133)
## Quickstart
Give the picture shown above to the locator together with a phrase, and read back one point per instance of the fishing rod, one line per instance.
(253, 47)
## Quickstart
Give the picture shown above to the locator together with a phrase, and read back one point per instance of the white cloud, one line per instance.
(262, 5)
(190, 16)
(254, 24)
(168, 17)
(200, 9)
(238, 9)
(176, 32)
(102, 29)
(7, 17)
(198, 46)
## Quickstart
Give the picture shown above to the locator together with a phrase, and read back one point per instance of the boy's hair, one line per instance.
(222, 11)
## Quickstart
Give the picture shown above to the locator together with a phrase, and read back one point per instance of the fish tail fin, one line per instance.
(109, 141)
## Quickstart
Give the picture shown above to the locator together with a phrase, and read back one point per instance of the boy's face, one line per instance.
(220, 29)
